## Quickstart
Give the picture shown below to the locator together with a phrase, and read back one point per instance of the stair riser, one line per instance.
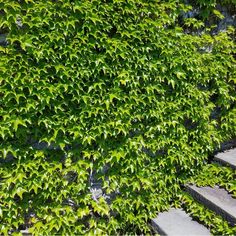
(227, 158)
(224, 163)
(157, 229)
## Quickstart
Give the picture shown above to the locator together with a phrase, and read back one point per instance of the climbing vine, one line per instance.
(108, 96)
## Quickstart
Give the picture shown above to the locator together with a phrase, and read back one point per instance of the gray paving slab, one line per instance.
(227, 158)
(216, 199)
(176, 222)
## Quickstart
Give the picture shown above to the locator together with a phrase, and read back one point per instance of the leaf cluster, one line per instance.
(108, 93)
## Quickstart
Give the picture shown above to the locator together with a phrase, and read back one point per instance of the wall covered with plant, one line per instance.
(127, 97)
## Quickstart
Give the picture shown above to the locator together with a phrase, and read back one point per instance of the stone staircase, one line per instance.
(178, 222)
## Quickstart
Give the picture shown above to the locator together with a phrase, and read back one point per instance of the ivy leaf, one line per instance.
(18, 122)
(20, 191)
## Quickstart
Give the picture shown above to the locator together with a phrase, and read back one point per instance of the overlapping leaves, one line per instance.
(108, 90)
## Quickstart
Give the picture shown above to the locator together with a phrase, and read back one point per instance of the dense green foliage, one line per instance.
(122, 94)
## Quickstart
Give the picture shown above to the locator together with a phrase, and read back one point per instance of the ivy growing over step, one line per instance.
(216, 224)
(214, 174)
(106, 107)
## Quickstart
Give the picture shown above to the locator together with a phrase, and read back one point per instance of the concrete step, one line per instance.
(176, 222)
(216, 199)
(227, 158)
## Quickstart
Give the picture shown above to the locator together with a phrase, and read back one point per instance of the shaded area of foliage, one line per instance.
(120, 93)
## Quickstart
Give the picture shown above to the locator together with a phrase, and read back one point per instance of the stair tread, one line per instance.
(227, 157)
(177, 222)
(216, 199)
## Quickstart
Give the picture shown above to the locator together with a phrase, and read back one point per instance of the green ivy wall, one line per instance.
(121, 94)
